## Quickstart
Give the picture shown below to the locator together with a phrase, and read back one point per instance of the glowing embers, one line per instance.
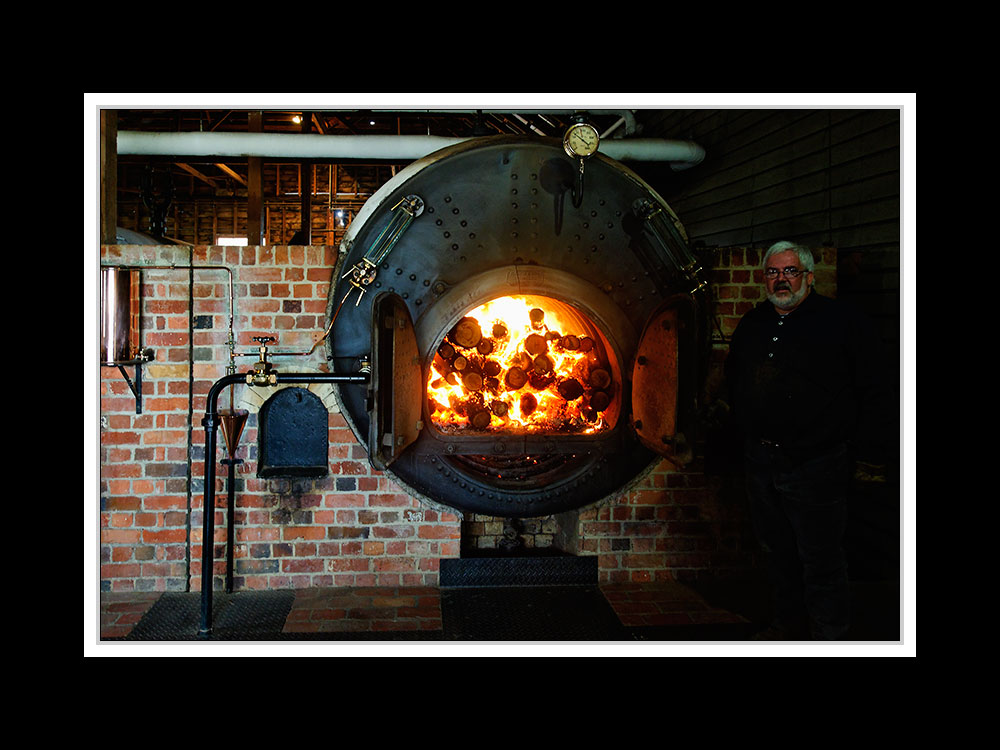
(523, 364)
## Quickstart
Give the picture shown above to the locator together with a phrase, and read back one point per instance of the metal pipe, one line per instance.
(282, 145)
(393, 147)
(233, 354)
(681, 154)
(230, 520)
(211, 424)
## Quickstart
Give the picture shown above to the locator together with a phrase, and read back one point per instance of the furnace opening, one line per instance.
(524, 364)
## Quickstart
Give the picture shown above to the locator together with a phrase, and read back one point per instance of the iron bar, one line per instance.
(230, 520)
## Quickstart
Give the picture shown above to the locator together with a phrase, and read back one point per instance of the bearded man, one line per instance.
(808, 389)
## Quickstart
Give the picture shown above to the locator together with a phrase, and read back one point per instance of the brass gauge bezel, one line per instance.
(573, 147)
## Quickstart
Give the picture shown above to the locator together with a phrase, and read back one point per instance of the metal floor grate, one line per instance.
(243, 616)
(565, 570)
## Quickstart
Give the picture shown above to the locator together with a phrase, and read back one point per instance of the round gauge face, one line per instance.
(581, 139)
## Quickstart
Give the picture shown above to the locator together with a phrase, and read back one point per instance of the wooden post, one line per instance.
(255, 195)
(109, 177)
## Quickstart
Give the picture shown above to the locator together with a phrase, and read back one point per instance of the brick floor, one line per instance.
(338, 610)
(668, 603)
(389, 609)
(120, 611)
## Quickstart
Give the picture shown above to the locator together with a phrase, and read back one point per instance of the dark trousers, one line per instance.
(799, 510)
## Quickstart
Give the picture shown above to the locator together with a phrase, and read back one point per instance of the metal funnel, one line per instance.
(233, 422)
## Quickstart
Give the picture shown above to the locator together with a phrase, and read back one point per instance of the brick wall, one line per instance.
(354, 527)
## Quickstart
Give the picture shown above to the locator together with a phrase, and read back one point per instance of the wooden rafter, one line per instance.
(191, 170)
(220, 121)
(225, 168)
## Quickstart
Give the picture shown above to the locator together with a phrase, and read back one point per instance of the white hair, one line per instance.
(804, 253)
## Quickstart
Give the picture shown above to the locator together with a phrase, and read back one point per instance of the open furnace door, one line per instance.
(658, 382)
(396, 382)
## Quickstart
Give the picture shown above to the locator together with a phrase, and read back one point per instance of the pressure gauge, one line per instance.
(581, 140)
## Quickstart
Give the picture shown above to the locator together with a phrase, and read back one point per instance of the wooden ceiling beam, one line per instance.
(191, 170)
(225, 168)
(221, 120)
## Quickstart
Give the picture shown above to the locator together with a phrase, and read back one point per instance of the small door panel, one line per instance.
(656, 382)
(396, 381)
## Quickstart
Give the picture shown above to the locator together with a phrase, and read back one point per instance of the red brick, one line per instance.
(165, 437)
(304, 532)
(292, 565)
(348, 563)
(166, 536)
(120, 571)
(396, 564)
(157, 340)
(439, 532)
(394, 532)
(122, 503)
(120, 438)
(119, 536)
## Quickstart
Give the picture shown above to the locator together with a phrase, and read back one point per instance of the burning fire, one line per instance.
(511, 365)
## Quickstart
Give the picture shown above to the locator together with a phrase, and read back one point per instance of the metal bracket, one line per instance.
(136, 387)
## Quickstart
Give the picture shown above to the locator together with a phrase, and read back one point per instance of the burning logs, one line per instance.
(515, 378)
(466, 333)
(513, 366)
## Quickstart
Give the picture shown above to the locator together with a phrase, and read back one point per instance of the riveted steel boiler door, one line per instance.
(396, 381)
(656, 383)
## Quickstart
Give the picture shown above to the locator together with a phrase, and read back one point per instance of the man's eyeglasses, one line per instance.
(790, 272)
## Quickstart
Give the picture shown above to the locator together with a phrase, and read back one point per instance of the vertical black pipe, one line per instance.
(231, 521)
(211, 423)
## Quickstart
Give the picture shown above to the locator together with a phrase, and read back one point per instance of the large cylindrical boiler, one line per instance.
(511, 219)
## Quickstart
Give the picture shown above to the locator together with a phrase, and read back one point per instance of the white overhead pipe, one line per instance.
(683, 154)
(282, 145)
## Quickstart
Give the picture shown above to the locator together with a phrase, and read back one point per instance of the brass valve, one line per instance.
(263, 372)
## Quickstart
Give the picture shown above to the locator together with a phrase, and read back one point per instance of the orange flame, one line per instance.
(512, 366)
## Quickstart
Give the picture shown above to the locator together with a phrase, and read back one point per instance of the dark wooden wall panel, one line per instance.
(827, 177)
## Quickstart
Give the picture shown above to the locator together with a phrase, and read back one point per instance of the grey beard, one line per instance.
(785, 303)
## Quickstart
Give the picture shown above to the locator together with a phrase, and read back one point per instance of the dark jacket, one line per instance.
(811, 379)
